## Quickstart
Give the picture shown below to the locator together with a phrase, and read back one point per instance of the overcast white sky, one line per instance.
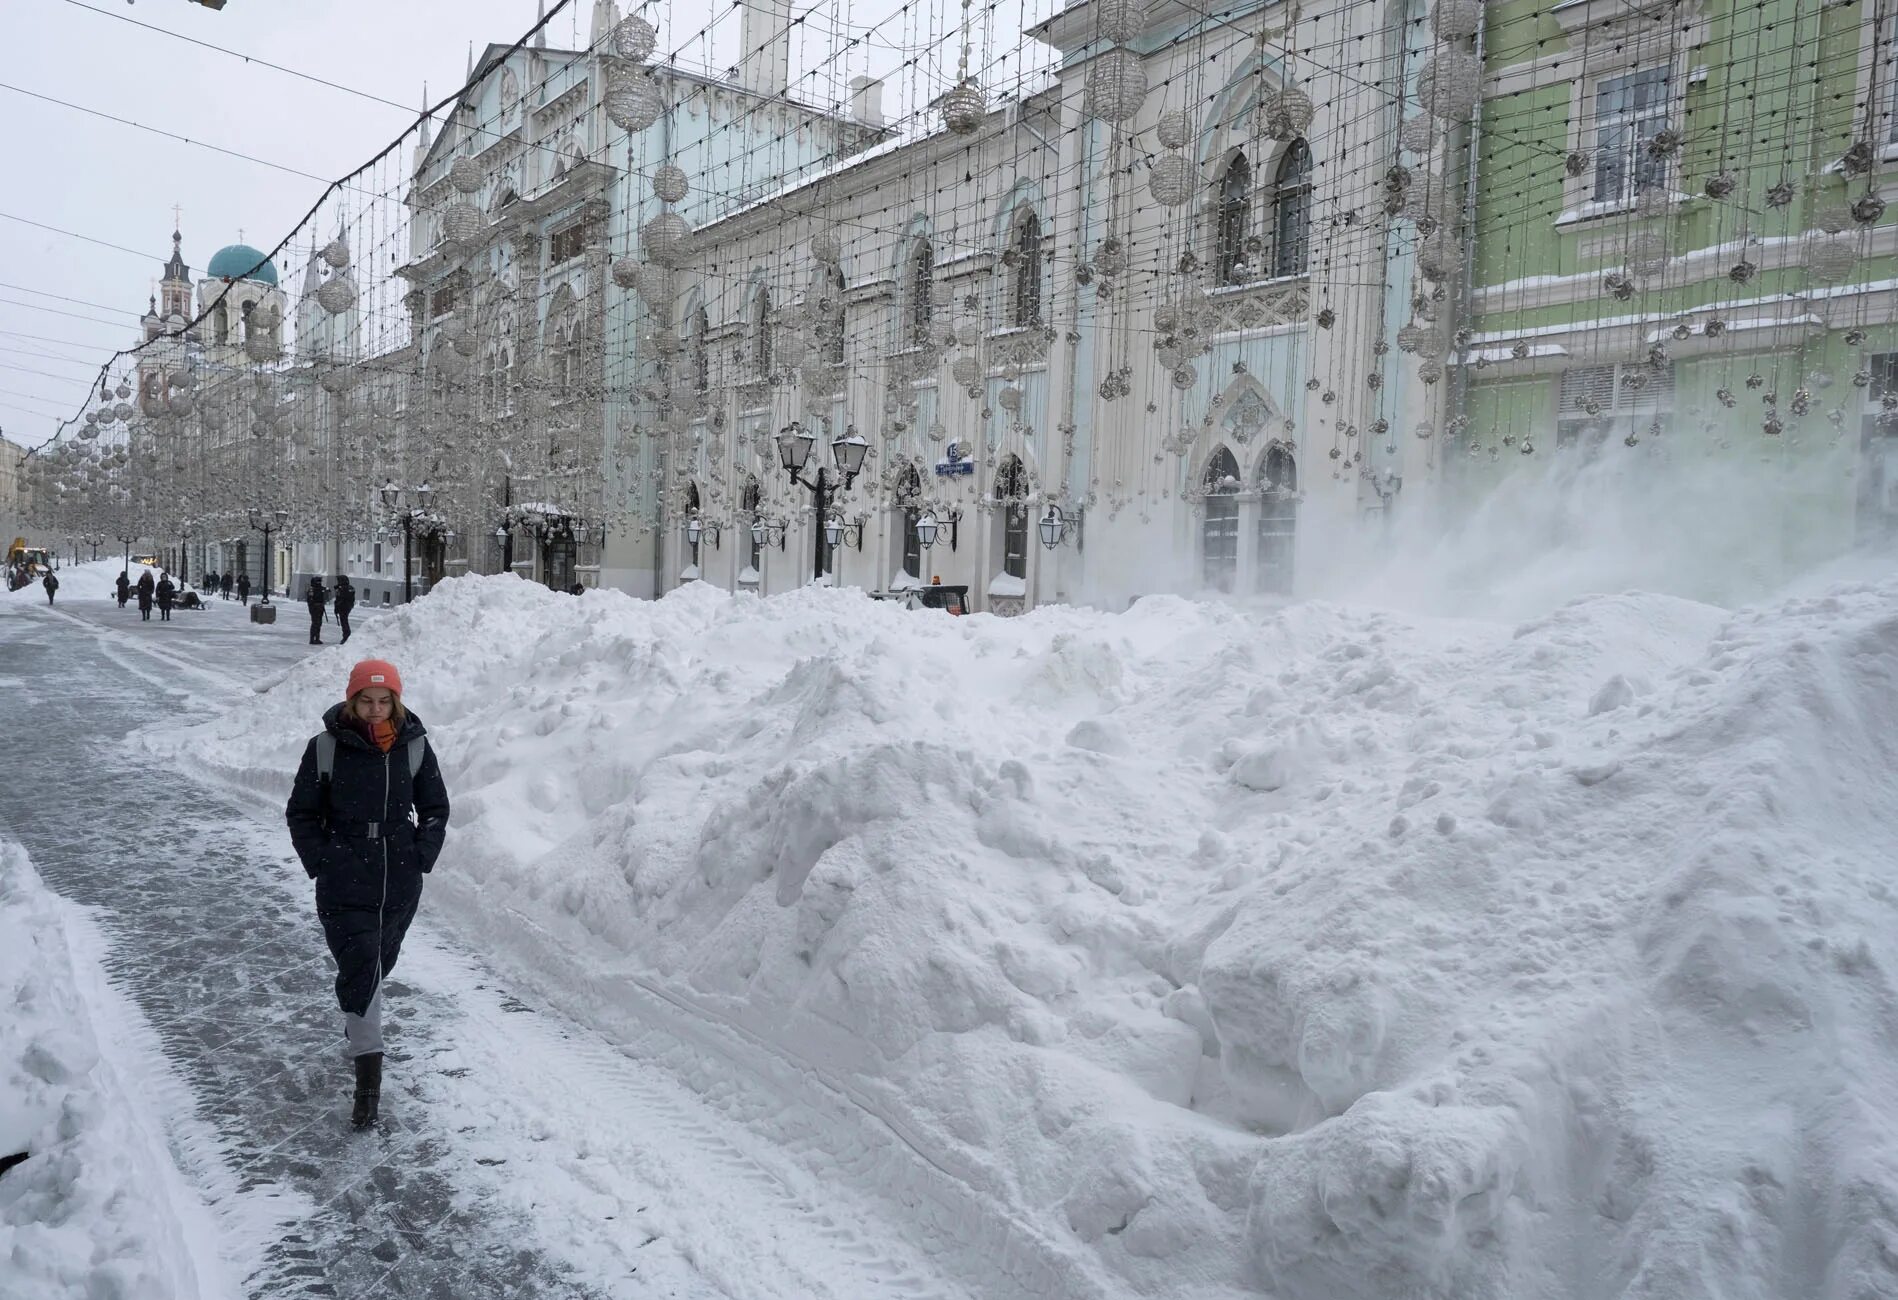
(86, 176)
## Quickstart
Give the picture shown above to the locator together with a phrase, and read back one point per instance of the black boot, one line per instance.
(368, 1089)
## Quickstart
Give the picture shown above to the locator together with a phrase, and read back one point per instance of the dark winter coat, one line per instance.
(330, 834)
(315, 597)
(243, 584)
(166, 593)
(145, 588)
(50, 583)
(345, 595)
(224, 584)
(124, 585)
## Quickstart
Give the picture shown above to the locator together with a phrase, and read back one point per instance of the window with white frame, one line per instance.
(1219, 526)
(1600, 402)
(1630, 110)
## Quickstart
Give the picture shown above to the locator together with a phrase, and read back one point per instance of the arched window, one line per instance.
(507, 382)
(1234, 217)
(909, 506)
(1278, 520)
(1219, 529)
(221, 325)
(691, 509)
(701, 351)
(749, 506)
(761, 332)
(1011, 492)
(1025, 292)
(922, 283)
(1291, 211)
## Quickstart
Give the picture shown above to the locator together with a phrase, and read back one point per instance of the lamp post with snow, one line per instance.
(392, 498)
(794, 453)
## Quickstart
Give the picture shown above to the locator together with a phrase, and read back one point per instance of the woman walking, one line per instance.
(367, 815)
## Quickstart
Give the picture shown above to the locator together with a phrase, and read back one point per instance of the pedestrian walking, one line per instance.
(51, 584)
(314, 598)
(368, 815)
(224, 586)
(344, 602)
(145, 588)
(125, 588)
(243, 588)
(167, 592)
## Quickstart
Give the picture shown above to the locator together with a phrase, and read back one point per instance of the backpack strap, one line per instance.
(417, 748)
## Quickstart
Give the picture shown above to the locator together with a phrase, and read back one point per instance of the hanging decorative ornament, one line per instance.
(827, 248)
(465, 175)
(336, 253)
(123, 412)
(633, 102)
(1116, 86)
(1619, 286)
(1780, 195)
(1438, 256)
(635, 39)
(1289, 114)
(1828, 257)
(1859, 159)
(465, 344)
(1118, 21)
(626, 272)
(123, 391)
(1664, 144)
(1578, 162)
(1772, 426)
(337, 294)
(1646, 253)
(1418, 134)
(1185, 376)
(461, 224)
(657, 285)
(1868, 209)
(1449, 85)
(1742, 271)
(1455, 20)
(1174, 129)
(1171, 179)
(666, 239)
(1832, 217)
(1430, 371)
(964, 107)
(334, 379)
(1009, 398)
(179, 404)
(1721, 185)
(669, 183)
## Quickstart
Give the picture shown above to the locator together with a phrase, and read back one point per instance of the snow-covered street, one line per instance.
(521, 1154)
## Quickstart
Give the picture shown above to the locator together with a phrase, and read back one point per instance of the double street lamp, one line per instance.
(267, 522)
(794, 452)
(392, 498)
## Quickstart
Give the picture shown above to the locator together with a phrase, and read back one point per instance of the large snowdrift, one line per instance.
(98, 1209)
(1313, 951)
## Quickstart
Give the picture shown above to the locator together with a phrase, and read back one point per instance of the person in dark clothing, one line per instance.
(367, 835)
(51, 584)
(577, 589)
(314, 598)
(345, 601)
(243, 588)
(125, 588)
(224, 586)
(167, 592)
(145, 588)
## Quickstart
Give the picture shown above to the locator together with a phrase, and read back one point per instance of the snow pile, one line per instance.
(1320, 951)
(98, 1210)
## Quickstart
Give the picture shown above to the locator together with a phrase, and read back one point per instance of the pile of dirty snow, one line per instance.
(1316, 951)
(97, 1209)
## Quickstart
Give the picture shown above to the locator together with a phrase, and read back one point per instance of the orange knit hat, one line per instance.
(373, 672)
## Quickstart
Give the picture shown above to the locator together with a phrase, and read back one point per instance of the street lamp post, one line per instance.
(392, 497)
(794, 452)
(266, 522)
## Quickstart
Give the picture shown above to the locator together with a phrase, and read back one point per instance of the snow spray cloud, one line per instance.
(1726, 527)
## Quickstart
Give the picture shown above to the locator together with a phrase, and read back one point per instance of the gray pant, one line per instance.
(365, 1031)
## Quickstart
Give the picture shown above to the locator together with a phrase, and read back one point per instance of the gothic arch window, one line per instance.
(1232, 219)
(917, 291)
(701, 352)
(749, 507)
(761, 332)
(221, 325)
(1291, 211)
(1025, 289)
(909, 509)
(1278, 519)
(1219, 526)
(1011, 495)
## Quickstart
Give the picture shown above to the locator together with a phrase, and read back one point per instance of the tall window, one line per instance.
(922, 283)
(835, 288)
(1025, 307)
(701, 351)
(1630, 110)
(749, 506)
(761, 331)
(909, 503)
(1011, 490)
(507, 382)
(1234, 216)
(1291, 211)
(1278, 520)
(1219, 529)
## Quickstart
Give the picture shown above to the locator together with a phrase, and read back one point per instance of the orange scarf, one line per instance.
(381, 735)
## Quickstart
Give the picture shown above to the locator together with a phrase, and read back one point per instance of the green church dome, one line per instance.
(237, 261)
